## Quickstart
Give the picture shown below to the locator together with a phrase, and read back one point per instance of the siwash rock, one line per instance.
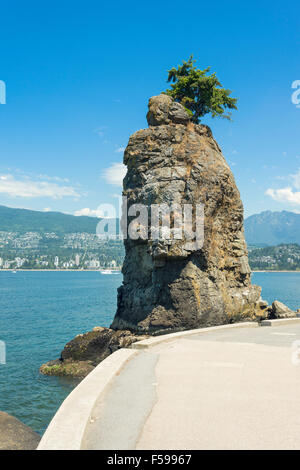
(168, 284)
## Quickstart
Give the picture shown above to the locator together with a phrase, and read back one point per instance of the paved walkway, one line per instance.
(226, 389)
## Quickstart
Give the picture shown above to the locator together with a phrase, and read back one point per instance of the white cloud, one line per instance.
(89, 212)
(115, 174)
(288, 194)
(28, 188)
(120, 149)
(53, 178)
(47, 209)
(296, 179)
(39, 176)
(284, 195)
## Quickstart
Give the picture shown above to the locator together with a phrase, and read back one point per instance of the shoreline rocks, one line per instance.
(14, 435)
(280, 310)
(83, 353)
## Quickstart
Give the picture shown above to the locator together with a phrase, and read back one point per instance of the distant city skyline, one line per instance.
(77, 81)
(33, 250)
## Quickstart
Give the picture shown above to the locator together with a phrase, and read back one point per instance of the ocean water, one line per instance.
(41, 311)
(284, 287)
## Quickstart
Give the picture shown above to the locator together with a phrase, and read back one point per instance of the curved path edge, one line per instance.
(67, 428)
(147, 343)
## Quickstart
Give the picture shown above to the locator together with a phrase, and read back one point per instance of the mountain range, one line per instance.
(265, 229)
(24, 220)
(272, 228)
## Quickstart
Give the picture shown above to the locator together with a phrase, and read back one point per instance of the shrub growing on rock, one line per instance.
(199, 92)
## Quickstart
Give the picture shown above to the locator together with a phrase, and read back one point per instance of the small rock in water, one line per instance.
(279, 310)
(86, 351)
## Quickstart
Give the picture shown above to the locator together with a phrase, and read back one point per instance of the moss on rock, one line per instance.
(86, 351)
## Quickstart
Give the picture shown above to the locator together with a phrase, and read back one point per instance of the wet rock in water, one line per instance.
(69, 368)
(85, 351)
(14, 435)
(171, 284)
(280, 310)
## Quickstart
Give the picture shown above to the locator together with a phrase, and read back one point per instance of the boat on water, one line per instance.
(109, 271)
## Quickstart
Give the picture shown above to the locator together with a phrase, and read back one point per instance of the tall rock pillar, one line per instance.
(169, 284)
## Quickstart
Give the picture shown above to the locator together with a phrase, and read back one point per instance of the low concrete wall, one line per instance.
(280, 321)
(148, 343)
(66, 430)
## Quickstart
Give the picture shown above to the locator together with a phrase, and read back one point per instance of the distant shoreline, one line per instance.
(273, 271)
(60, 270)
(118, 270)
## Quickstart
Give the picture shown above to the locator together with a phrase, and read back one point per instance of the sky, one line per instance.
(78, 76)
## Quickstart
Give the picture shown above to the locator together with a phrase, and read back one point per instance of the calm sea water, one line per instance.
(41, 311)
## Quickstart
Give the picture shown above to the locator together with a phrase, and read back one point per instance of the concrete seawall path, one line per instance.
(225, 388)
(228, 389)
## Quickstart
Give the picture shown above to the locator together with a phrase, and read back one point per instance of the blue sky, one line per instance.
(79, 74)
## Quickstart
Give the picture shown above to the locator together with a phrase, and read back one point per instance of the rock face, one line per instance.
(168, 284)
(280, 310)
(14, 435)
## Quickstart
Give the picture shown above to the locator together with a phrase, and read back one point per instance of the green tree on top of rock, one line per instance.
(199, 92)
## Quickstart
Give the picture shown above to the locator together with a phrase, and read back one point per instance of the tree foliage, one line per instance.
(199, 92)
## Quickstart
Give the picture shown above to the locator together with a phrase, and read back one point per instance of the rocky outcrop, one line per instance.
(170, 284)
(14, 435)
(280, 310)
(173, 283)
(86, 351)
